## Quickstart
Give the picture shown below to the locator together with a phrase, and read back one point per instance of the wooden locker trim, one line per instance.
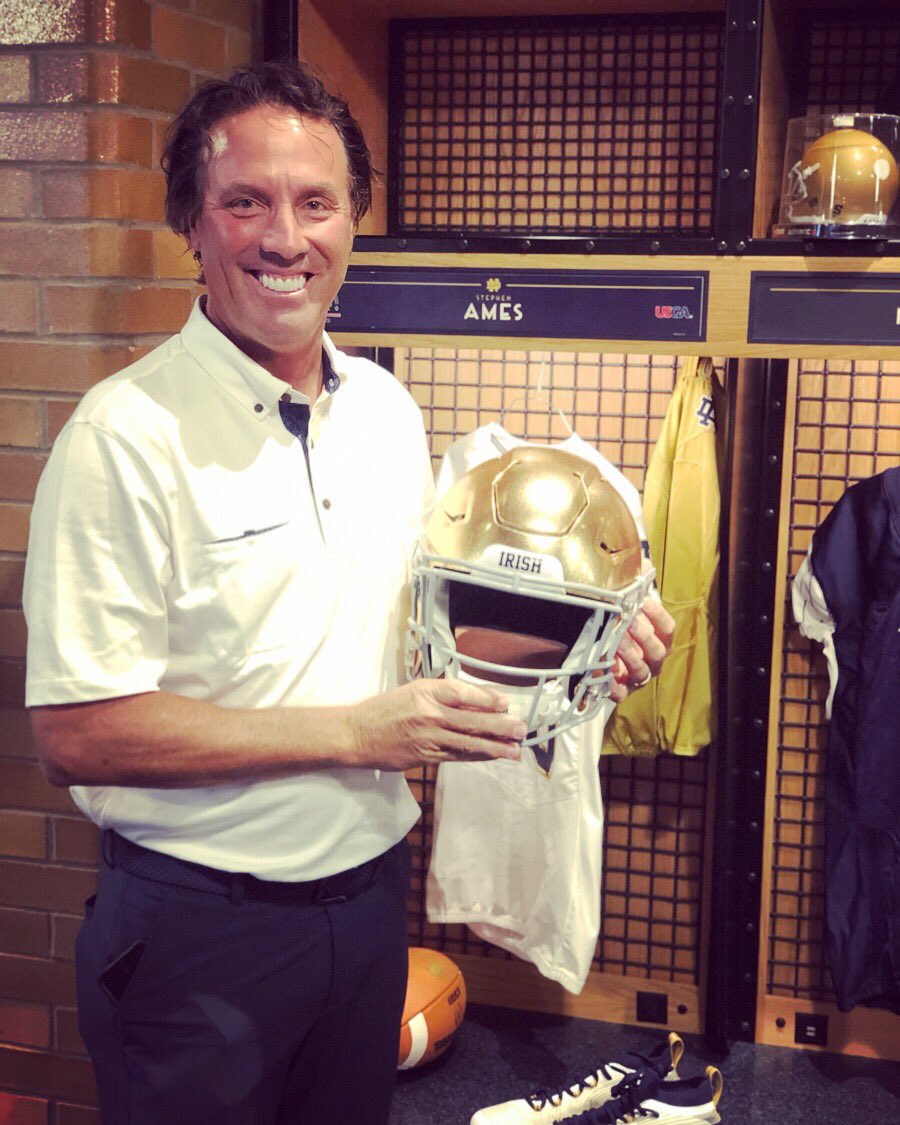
(869, 1032)
(606, 996)
(774, 97)
(355, 67)
(728, 302)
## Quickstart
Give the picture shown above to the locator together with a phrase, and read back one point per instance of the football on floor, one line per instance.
(434, 1008)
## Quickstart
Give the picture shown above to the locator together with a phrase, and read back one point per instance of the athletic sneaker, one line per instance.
(566, 1102)
(643, 1097)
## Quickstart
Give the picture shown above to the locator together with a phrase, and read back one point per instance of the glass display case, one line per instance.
(840, 177)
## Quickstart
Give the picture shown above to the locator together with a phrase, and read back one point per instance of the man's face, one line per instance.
(276, 229)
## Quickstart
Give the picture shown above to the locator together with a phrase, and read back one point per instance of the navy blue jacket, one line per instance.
(856, 559)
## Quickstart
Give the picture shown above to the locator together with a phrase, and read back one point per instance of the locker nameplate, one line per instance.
(557, 304)
(818, 308)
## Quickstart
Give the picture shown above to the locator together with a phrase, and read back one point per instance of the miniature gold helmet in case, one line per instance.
(841, 177)
(528, 575)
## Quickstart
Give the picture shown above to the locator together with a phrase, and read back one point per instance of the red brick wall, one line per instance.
(90, 279)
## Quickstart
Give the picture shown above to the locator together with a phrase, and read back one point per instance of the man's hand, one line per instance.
(643, 650)
(430, 721)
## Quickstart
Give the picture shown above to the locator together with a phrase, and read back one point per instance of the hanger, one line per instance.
(528, 400)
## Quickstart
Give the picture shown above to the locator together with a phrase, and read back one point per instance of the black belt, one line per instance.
(148, 864)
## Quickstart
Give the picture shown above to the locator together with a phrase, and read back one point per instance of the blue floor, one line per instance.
(500, 1054)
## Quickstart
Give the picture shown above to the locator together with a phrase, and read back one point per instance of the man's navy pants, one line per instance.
(211, 999)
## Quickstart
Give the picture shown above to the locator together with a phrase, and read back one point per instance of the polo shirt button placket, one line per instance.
(296, 419)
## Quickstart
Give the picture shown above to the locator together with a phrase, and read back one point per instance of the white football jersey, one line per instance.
(814, 618)
(517, 847)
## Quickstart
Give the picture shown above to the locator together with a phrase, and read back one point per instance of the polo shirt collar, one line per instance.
(242, 377)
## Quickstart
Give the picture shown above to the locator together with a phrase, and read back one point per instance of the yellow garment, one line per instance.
(675, 712)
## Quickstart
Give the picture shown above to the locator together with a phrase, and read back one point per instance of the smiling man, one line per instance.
(216, 595)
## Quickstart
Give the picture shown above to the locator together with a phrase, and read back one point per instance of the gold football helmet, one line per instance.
(529, 573)
(844, 176)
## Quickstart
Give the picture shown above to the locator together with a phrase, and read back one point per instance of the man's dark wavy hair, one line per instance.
(188, 144)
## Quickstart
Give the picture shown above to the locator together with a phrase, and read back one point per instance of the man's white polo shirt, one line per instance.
(179, 542)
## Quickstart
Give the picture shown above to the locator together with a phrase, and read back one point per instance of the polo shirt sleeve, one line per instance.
(98, 563)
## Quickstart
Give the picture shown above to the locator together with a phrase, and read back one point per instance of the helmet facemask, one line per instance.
(503, 611)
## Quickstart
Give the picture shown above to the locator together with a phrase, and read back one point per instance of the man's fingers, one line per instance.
(474, 724)
(469, 697)
(662, 622)
(472, 748)
(652, 648)
(495, 751)
(632, 656)
(618, 692)
(483, 724)
(644, 648)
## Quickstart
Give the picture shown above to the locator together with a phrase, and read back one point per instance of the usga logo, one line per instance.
(493, 304)
(673, 312)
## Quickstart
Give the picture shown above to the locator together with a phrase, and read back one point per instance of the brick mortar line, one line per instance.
(45, 428)
(128, 50)
(122, 108)
(131, 108)
(50, 835)
(79, 281)
(48, 1052)
(66, 864)
(83, 282)
(30, 395)
(75, 107)
(39, 956)
(82, 223)
(94, 339)
(51, 166)
(56, 165)
(30, 910)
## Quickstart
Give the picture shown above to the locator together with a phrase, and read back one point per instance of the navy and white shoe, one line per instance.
(644, 1098)
(566, 1102)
